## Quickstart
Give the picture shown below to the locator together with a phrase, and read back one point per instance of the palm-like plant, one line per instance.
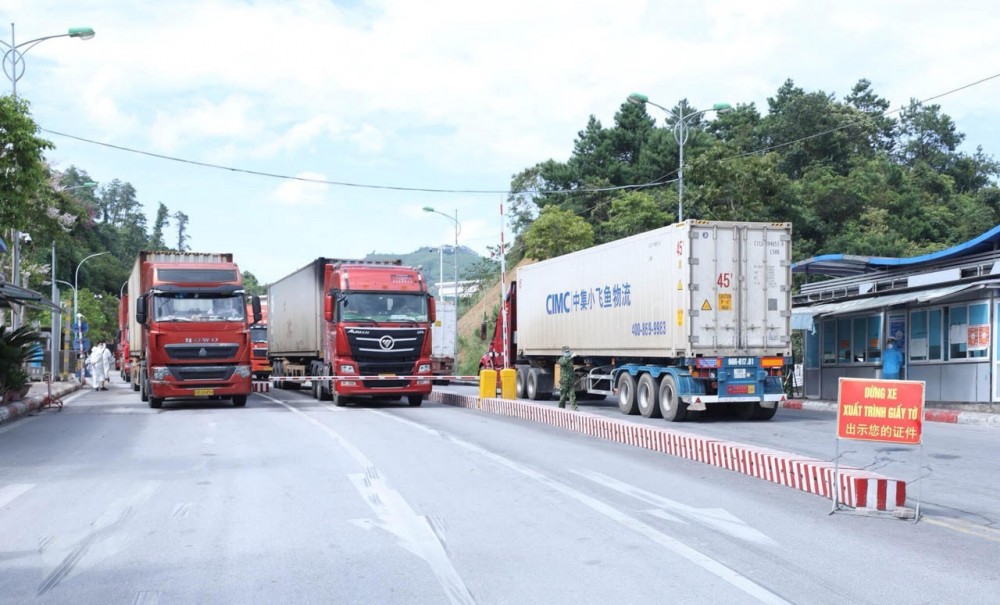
(16, 349)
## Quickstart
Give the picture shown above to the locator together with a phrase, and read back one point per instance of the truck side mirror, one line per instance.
(431, 309)
(328, 307)
(140, 310)
(255, 304)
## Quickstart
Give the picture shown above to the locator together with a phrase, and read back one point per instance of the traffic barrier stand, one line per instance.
(49, 399)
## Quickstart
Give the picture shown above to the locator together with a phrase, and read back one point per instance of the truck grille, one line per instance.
(260, 353)
(381, 346)
(222, 373)
(385, 384)
(202, 351)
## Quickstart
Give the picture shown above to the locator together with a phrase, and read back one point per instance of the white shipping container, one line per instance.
(295, 313)
(443, 331)
(693, 288)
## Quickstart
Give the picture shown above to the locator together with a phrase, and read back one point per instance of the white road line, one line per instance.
(396, 516)
(12, 491)
(700, 559)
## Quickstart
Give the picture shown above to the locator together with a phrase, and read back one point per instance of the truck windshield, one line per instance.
(365, 306)
(258, 333)
(193, 306)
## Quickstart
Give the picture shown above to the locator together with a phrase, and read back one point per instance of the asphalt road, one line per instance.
(290, 500)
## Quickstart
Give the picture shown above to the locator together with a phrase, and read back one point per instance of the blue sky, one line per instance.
(456, 95)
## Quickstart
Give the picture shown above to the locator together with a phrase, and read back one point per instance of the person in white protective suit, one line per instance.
(100, 361)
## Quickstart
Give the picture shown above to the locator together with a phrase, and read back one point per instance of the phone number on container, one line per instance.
(649, 328)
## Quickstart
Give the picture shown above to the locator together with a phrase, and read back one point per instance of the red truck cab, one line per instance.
(260, 367)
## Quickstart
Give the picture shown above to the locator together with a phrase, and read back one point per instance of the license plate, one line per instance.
(204, 392)
(740, 389)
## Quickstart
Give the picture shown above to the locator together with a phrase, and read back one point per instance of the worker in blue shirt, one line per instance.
(892, 361)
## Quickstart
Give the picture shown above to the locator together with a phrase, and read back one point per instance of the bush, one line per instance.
(16, 348)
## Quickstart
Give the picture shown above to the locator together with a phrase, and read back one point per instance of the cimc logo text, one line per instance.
(558, 303)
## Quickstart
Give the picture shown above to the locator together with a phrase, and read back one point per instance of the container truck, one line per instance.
(354, 328)
(668, 321)
(122, 361)
(187, 332)
(260, 367)
(443, 332)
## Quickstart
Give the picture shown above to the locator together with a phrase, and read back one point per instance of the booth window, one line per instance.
(925, 335)
(968, 335)
(852, 340)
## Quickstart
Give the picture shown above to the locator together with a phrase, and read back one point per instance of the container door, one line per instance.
(714, 301)
(765, 271)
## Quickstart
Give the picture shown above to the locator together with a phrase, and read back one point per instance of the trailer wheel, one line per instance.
(626, 394)
(535, 386)
(520, 379)
(647, 396)
(324, 393)
(239, 401)
(755, 411)
(671, 406)
(143, 389)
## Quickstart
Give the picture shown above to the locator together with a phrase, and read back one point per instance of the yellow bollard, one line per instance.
(508, 383)
(487, 384)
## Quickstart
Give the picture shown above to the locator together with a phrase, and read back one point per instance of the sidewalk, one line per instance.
(954, 414)
(35, 398)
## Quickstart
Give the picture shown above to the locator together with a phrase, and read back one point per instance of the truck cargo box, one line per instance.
(689, 289)
(295, 313)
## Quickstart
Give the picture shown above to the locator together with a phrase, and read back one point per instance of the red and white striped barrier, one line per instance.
(857, 488)
(264, 386)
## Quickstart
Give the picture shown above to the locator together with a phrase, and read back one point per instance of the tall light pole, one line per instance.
(13, 68)
(54, 341)
(458, 229)
(681, 129)
(55, 293)
(76, 302)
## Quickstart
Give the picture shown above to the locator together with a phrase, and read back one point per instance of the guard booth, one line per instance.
(941, 309)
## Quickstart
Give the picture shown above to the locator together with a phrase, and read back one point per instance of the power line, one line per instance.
(655, 183)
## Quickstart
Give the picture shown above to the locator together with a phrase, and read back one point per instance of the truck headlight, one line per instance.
(243, 371)
(346, 369)
(161, 373)
(424, 368)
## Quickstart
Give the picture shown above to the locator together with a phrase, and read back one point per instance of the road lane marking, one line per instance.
(964, 527)
(12, 491)
(713, 566)
(413, 532)
(716, 518)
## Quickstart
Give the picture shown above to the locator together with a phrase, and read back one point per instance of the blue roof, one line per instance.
(848, 264)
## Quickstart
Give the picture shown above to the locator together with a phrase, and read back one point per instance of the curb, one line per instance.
(16, 409)
(857, 488)
(930, 414)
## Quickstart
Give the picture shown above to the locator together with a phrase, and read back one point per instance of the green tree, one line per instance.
(252, 286)
(557, 232)
(162, 221)
(182, 235)
(22, 165)
(634, 212)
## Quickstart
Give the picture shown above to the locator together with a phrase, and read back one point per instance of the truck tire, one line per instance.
(625, 392)
(520, 383)
(135, 385)
(647, 396)
(143, 389)
(535, 386)
(338, 400)
(156, 402)
(414, 400)
(755, 411)
(239, 401)
(325, 388)
(671, 407)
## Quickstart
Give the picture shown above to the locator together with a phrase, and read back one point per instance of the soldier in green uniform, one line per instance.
(566, 379)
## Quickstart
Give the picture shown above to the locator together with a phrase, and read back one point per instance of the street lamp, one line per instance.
(76, 302)
(13, 59)
(13, 68)
(458, 229)
(681, 128)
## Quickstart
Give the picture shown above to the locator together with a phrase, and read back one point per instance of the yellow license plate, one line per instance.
(204, 392)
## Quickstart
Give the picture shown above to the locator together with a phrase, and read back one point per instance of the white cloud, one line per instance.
(302, 192)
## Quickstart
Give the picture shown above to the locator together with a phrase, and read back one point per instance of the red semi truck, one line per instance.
(364, 324)
(260, 367)
(187, 333)
(122, 361)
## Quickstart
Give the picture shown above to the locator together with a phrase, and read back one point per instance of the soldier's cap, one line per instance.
(565, 349)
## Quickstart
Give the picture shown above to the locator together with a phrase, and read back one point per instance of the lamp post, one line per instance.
(13, 68)
(458, 229)
(55, 293)
(681, 129)
(76, 302)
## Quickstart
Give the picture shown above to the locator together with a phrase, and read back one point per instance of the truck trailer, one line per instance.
(260, 367)
(672, 320)
(187, 332)
(355, 328)
(443, 332)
